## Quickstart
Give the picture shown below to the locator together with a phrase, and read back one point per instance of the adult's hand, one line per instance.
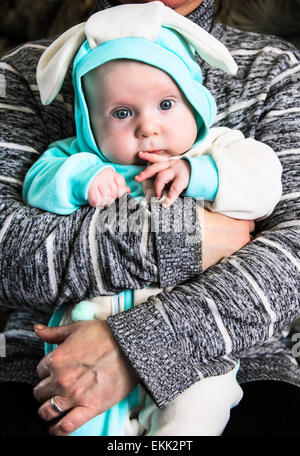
(87, 373)
(222, 236)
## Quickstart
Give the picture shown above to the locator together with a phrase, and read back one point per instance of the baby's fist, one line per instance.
(106, 187)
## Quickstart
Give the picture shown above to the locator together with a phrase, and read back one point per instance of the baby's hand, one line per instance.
(176, 171)
(106, 187)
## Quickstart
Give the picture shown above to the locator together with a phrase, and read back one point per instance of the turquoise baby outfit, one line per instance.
(59, 180)
(58, 167)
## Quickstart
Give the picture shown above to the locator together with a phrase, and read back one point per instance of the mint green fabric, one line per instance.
(59, 180)
(204, 180)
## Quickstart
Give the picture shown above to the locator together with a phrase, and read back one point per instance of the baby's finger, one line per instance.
(151, 170)
(113, 191)
(152, 157)
(106, 201)
(162, 179)
(119, 185)
(176, 188)
(107, 197)
(94, 198)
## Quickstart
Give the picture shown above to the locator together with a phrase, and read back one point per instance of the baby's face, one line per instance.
(137, 107)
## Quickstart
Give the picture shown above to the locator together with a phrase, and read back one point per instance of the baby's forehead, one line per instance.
(129, 82)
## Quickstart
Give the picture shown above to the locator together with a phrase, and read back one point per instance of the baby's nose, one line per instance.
(147, 127)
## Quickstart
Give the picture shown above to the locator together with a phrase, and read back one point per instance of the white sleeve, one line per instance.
(249, 174)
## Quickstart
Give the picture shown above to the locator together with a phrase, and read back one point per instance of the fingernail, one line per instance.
(39, 326)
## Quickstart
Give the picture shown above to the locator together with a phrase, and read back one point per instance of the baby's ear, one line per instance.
(54, 62)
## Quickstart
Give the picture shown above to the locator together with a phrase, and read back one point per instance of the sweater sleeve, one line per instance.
(241, 303)
(57, 259)
(59, 180)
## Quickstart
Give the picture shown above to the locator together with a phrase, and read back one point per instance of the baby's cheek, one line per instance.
(122, 150)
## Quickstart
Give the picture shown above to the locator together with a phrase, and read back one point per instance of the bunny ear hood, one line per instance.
(151, 33)
(131, 20)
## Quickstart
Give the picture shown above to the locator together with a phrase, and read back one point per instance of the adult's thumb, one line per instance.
(55, 334)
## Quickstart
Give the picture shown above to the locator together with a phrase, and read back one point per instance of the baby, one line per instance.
(139, 100)
(137, 113)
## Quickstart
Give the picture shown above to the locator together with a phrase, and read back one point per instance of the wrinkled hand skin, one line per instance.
(87, 373)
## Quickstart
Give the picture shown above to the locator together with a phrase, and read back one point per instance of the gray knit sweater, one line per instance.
(237, 309)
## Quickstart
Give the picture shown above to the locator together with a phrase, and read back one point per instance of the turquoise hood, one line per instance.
(170, 52)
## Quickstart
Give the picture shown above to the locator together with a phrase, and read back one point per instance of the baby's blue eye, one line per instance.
(166, 104)
(121, 114)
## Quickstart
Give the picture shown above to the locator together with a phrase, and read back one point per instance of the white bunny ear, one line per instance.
(208, 47)
(122, 21)
(54, 63)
